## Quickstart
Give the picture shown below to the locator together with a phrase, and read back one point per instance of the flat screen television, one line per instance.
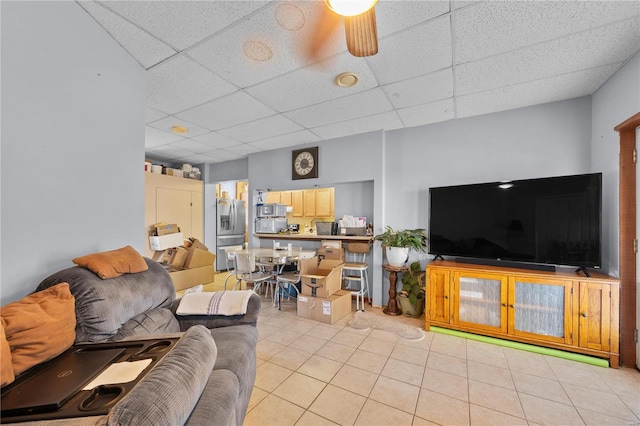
(554, 221)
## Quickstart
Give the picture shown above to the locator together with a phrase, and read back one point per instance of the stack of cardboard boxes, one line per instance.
(321, 298)
(189, 262)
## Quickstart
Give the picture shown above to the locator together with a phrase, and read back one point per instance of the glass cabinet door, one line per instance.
(481, 301)
(539, 308)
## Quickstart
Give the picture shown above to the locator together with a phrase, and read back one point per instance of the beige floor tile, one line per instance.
(495, 397)
(377, 345)
(486, 353)
(402, 396)
(577, 373)
(424, 343)
(598, 419)
(447, 363)
(349, 338)
(355, 380)
(445, 383)
(323, 331)
(546, 412)
(598, 401)
(320, 368)
(308, 343)
(442, 409)
(280, 321)
(284, 337)
(449, 345)
(529, 363)
(269, 376)
(375, 413)
(300, 389)
(485, 416)
(540, 387)
(265, 330)
(259, 362)
(403, 371)
(417, 421)
(367, 361)
(257, 395)
(266, 349)
(410, 354)
(290, 358)
(338, 405)
(384, 335)
(633, 402)
(489, 374)
(273, 411)
(311, 419)
(336, 351)
(301, 326)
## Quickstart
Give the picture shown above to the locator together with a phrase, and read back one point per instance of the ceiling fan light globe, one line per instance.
(350, 7)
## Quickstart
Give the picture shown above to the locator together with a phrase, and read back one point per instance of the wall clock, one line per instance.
(304, 163)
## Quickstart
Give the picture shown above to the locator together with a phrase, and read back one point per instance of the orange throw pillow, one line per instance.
(6, 369)
(111, 264)
(40, 326)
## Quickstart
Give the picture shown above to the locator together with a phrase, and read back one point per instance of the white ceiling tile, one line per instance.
(457, 4)
(229, 111)
(154, 137)
(147, 49)
(282, 141)
(492, 27)
(316, 82)
(183, 23)
(393, 16)
(359, 105)
(244, 149)
(224, 53)
(552, 89)
(153, 115)
(191, 146)
(179, 83)
(217, 156)
(421, 90)
(428, 113)
(261, 129)
(216, 140)
(170, 150)
(385, 121)
(171, 120)
(420, 50)
(583, 50)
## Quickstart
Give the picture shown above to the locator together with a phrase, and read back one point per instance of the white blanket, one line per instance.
(215, 303)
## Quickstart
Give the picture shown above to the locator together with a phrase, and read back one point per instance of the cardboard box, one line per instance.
(327, 310)
(330, 253)
(186, 278)
(178, 256)
(196, 243)
(197, 258)
(161, 229)
(327, 274)
(166, 241)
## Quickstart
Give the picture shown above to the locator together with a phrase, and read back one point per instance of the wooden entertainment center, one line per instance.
(560, 309)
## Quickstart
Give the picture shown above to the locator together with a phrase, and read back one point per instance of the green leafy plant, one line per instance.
(411, 238)
(413, 283)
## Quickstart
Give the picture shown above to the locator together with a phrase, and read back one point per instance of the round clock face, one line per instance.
(304, 163)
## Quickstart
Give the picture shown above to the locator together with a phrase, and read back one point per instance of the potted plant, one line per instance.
(412, 295)
(398, 243)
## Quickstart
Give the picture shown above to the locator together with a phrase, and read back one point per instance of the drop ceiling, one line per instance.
(437, 61)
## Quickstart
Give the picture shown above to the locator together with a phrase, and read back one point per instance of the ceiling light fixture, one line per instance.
(179, 129)
(350, 7)
(257, 50)
(347, 79)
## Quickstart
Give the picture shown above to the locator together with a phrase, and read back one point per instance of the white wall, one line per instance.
(617, 100)
(73, 113)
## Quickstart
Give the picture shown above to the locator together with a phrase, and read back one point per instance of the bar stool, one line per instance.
(355, 269)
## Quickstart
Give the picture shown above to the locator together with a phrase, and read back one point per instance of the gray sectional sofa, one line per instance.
(143, 305)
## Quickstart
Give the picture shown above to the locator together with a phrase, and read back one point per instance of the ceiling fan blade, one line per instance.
(362, 34)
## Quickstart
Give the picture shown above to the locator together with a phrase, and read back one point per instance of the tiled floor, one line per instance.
(315, 374)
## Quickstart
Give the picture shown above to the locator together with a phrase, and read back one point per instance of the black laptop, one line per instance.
(57, 382)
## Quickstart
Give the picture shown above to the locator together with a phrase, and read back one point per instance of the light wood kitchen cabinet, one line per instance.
(273, 197)
(324, 202)
(309, 206)
(176, 200)
(562, 309)
(285, 198)
(297, 203)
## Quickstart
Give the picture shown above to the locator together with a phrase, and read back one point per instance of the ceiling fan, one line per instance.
(359, 23)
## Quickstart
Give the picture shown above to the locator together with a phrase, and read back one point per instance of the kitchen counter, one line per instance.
(314, 237)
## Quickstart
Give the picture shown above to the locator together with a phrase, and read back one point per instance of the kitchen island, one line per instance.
(315, 237)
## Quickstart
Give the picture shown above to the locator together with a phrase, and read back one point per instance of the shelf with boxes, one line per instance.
(189, 262)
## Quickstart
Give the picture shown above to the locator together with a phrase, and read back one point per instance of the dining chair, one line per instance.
(356, 270)
(245, 270)
(230, 253)
(285, 281)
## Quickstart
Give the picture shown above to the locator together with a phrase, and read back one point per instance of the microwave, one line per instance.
(271, 210)
(271, 225)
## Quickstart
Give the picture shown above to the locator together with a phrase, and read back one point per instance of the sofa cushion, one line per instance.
(40, 326)
(111, 264)
(217, 404)
(153, 321)
(170, 391)
(103, 306)
(6, 368)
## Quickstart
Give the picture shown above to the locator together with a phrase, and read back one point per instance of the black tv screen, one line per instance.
(554, 221)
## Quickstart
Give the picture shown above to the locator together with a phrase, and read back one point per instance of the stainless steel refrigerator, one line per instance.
(230, 227)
